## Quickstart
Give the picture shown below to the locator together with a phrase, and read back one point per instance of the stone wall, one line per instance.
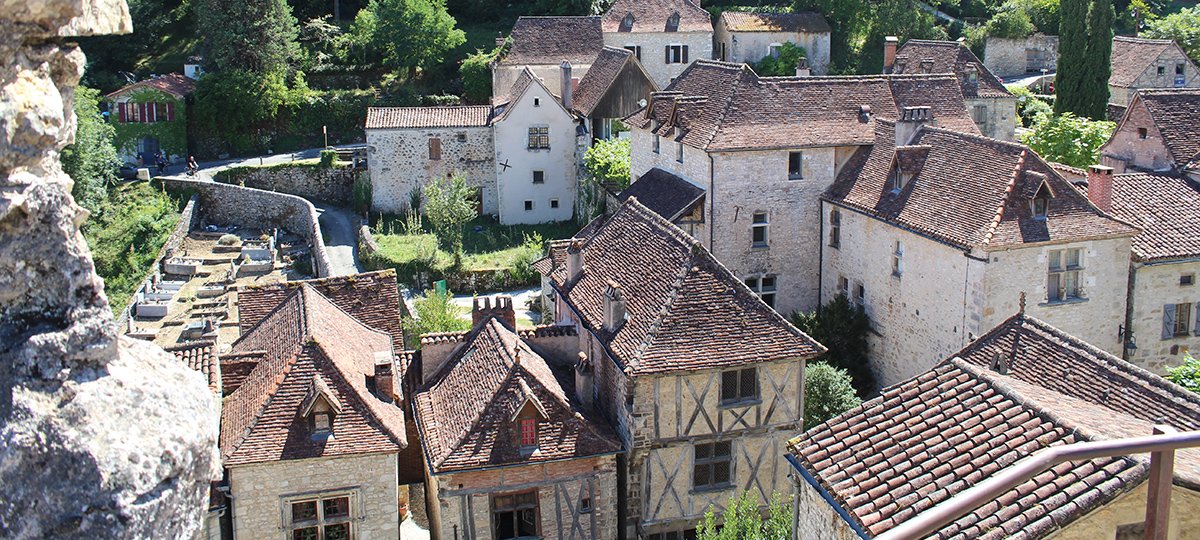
(751, 47)
(224, 204)
(1130, 509)
(654, 46)
(1008, 57)
(1154, 286)
(100, 436)
(400, 163)
(816, 520)
(188, 220)
(332, 184)
(1126, 148)
(998, 119)
(1120, 96)
(554, 198)
(261, 493)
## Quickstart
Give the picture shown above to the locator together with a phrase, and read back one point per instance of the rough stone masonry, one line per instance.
(100, 436)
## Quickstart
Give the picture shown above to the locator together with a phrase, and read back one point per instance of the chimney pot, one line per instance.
(614, 307)
(575, 260)
(890, 44)
(567, 86)
(500, 307)
(584, 381)
(802, 69)
(911, 120)
(1100, 186)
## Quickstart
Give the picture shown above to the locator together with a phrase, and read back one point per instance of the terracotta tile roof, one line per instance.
(1176, 114)
(666, 194)
(524, 80)
(200, 356)
(802, 22)
(465, 413)
(309, 342)
(1133, 56)
(653, 15)
(1166, 208)
(550, 40)
(685, 310)
(175, 84)
(236, 366)
(428, 117)
(949, 57)
(925, 440)
(601, 77)
(718, 106)
(970, 191)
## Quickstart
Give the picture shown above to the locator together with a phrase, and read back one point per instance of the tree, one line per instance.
(1068, 139)
(234, 106)
(435, 312)
(408, 34)
(91, 161)
(782, 64)
(1183, 27)
(1186, 374)
(257, 36)
(742, 520)
(842, 327)
(828, 392)
(1071, 80)
(476, 73)
(1094, 101)
(448, 207)
(608, 162)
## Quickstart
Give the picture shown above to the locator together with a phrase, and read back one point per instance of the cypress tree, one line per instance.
(1094, 101)
(252, 35)
(1071, 79)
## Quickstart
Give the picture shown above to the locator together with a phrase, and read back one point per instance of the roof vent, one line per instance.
(999, 363)
(864, 113)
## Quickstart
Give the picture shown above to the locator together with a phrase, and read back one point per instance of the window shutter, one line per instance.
(685, 54)
(1168, 329)
(668, 54)
(121, 112)
(142, 112)
(1196, 321)
(170, 112)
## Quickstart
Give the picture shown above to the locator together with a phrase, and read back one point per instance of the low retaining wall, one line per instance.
(333, 184)
(248, 207)
(188, 219)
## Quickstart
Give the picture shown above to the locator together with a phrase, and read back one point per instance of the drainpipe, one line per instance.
(1161, 445)
(712, 203)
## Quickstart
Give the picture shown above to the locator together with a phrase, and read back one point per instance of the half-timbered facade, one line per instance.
(701, 379)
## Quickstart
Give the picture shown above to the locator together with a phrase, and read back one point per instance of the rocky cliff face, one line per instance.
(100, 436)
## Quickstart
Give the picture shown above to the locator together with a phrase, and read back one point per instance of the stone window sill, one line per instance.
(711, 489)
(1068, 301)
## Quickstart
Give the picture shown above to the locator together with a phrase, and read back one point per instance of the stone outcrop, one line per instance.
(100, 436)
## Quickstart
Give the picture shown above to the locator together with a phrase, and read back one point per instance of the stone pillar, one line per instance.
(100, 436)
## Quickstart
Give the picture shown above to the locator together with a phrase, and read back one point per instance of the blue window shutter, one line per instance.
(1196, 321)
(1168, 329)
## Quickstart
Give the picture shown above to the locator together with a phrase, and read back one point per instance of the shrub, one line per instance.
(448, 207)
(783, 65)
(228, 240)
(1186, 374)
(1011, 24)
(441, 101)
(828, 392)
(361, 192)
(1029, 106)
(1068, 139)
(126, 234)
(608, 162)
(328, 158)
(476, 73)
(842, 327)
(521, 272)
(742, 520)
(434, 312)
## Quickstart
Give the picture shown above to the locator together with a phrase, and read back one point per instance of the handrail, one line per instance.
(939, 516)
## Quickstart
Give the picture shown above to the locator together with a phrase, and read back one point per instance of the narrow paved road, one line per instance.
(339, 228)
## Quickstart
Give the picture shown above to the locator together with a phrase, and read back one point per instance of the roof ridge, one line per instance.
(454, 361)
(312, 290)
(358, 401)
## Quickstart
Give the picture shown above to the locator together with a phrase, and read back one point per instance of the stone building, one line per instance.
(149, 117)
(700, 378)
(764, 150)
(1158, 133)
(750, 37)
(616, 86)
(1139, 63)
(1007, 57)
(1020, 388)
(992, 107)
(409, 146)
(510, 450)
(664, 35)
(542, 44)
(935, 234)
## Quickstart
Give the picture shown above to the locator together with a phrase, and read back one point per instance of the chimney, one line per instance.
(585, 381)
(890, 44)
(575, 260)
(802, 69)
(567, 87)
(385, 381)
(500, 307)
(911, 119)
(614, 307)
(1100, 186)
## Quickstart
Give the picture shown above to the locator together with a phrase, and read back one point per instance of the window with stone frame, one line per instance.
(1063, 273)
(979, 114)
(795, 165)
(320, 517)
(679, 151)
(1162, 70)
(553, 203)
(1178, 319)
(843, 286)
(758, 230)
(774, 50)
(539, 177)
(860, 295)
(764, 287)
(539, 138)
(712, 465)
(1179, 68)
(739, 386)
(835, 228)
(898, 259)
(515, 515)
(528, 206)
(1187, 280)
(677, 54)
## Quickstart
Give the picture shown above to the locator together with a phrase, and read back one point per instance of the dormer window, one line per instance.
(627, 23)
(673, 22)
(1041, 206)
(529, 432)
(897, 180)
(322, 422)
(319, 407)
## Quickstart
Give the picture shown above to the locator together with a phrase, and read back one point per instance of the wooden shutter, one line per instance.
(142, 112)
(435, 148)
(121, 112)
(170, 112)
(685, 54)
(1168, 328)
(668, 55)
(1196, 321)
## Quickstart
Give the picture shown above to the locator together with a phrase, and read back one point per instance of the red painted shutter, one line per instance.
(121, 112)
(142, 112)
(170, 112)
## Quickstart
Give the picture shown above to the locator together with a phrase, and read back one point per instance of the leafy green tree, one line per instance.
(1186, 374)
(783, 64)
(434, 313)
(408, 34)
(476, 73)
(448, 208)
(1071, 80)
(1182, 26)
(742, 520)
(828, 392)
(848, 20)
(91, 161)
(1094, 101)
(1069, 139)
(842, 327)
(257, 36)
(608, 162)
(140, 51)
(1013, 23)
(236, 106)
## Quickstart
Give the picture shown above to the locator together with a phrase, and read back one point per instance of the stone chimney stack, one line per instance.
(890, 44)
(585, 381)
(575, 260)
(802, 69)
(500, 307)
(1100, 186)
(385, 380)
(614, 307)
(911, 119)
(567, 85)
